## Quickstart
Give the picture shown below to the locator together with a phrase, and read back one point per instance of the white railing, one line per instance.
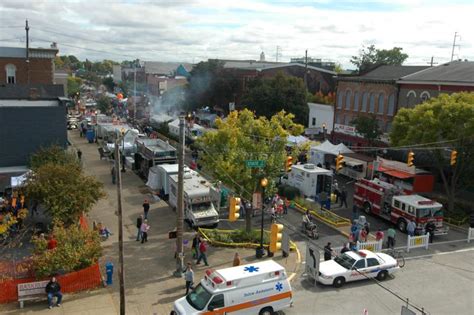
(470, 235)
(418, 241)
(374, 246)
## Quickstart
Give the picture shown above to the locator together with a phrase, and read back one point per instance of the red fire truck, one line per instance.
(389, 202)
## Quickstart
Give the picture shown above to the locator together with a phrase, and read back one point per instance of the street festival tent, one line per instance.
(318, 153)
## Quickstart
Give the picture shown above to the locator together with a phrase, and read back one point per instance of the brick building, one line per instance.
(14, 68)
(376, 93)
(451, 77)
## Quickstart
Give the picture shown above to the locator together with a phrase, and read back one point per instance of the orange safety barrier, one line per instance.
(85, 279)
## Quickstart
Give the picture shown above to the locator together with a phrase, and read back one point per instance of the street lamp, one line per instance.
(260, 251)
(123, 149)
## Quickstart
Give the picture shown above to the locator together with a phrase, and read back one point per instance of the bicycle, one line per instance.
(398, 255)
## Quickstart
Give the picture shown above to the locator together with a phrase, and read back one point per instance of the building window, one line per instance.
(338, 118)
(314, 121)
(11, 73)
(391, 105)
(356, 101)
(364, 102)
(372, 103)
(425, 95)
(411, 98)
(339, 100)
(348, 99)
(347, 120)
(381, 103)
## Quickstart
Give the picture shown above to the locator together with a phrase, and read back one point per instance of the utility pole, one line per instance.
(454, 44)
(180, 206)
(432, 62)
(306, 70)
(120, 232)
(27, 29)
(134, 92)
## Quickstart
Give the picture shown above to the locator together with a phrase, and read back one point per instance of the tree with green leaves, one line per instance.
(73, 85)
(53, 155)
(64, 191)
(269, 96)
(368, 127)
(109, 83)
(104, 104)
(445, 124)
(241, 137)
(371, 57)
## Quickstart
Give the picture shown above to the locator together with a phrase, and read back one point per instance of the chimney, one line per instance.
(54, 45)
(33, 94)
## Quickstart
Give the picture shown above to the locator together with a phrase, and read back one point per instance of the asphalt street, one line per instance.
(441, 283)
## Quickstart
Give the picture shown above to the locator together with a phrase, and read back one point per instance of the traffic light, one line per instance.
(339, 162)
(234, 209)
(454, 157)
(288, 163)
(275, 237)
(411, 158)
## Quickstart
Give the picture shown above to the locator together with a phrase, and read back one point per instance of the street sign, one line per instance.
(255, 163)
(312, 261)
(285, 244)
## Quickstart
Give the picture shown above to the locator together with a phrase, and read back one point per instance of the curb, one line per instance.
(298, 263)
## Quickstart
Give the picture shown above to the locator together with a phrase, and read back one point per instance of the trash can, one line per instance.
(109, 270)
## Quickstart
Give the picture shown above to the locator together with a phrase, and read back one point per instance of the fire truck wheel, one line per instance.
(402, 225)
(367, 208)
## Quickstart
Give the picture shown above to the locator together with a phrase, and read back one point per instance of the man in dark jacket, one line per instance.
(328, 251)
(53, 289)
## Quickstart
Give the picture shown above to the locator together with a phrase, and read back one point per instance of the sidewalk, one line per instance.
(150, 285)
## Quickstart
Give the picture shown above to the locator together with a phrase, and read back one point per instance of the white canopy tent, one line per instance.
(317, 153)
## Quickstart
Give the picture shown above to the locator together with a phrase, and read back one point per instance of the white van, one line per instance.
(259, 288)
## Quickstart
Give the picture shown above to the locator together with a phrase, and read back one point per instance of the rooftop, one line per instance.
(166, 68)
(451, 72)
(20, 52)
(385, 73)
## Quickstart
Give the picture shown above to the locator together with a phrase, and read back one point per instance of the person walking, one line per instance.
(411, 227)
(343, 197)
(195, 246)
(53, 289)
(146, 208)
(189, 277)
(328, 251)
(139, 225)
(337, 192)
(144, 229)
(202, 253)
(79, 154)
(430, 229)
(391, 237)
(236, 260)
(363, 235)
(113, 174)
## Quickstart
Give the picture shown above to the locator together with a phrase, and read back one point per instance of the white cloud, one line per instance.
(198, 29)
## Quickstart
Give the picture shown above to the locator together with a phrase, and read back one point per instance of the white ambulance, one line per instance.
(259, 288)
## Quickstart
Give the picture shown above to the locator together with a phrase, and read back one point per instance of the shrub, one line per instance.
(76, 249)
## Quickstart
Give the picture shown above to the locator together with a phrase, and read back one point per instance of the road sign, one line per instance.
(255, 163)
(312, 261)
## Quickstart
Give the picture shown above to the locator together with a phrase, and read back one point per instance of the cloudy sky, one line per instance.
(195, 30)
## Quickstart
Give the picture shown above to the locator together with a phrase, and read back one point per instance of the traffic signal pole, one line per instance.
(260, 250)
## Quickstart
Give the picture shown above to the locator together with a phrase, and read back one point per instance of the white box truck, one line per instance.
(260, 288)
(309, 179)
(158, 177)
(200, 198)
